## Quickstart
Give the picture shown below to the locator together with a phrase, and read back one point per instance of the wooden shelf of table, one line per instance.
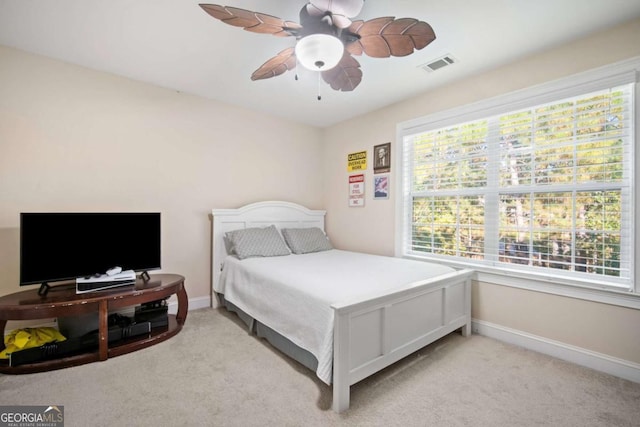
(62, 301)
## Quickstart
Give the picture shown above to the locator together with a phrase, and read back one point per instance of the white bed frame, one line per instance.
(373, 333)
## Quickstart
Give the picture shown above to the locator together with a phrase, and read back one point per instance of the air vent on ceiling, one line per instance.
(436, 64)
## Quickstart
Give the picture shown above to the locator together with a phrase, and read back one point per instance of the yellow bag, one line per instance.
(21, 339)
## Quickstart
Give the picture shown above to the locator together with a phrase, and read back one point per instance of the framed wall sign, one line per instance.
(356, 190)
(381, 187)
(382, 158)
(357, 161)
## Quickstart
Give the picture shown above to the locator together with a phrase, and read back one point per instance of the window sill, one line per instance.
(549, 285)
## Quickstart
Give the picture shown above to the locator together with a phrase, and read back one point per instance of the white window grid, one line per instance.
(492, 191)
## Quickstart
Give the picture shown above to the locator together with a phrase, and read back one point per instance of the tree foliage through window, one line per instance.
(546, 187)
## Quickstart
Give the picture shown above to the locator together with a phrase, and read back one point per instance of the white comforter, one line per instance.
(293, 294)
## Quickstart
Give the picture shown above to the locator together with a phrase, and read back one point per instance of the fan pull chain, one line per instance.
(319, 96)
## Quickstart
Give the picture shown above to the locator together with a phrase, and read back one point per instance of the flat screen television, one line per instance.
(63, 246)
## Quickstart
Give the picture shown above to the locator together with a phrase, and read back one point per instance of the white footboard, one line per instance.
(371, 334)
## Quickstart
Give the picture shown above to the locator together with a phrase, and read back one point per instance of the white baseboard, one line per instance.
(194, 304)
(600, 362)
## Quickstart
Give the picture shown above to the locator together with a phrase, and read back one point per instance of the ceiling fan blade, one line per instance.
(345, 76)
(252, 21)
(387, 36)
(282, 62)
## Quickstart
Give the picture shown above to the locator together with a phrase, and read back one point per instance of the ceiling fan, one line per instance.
(327, 37)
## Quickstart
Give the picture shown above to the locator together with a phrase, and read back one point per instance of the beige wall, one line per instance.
(73, 139)
(606, 329)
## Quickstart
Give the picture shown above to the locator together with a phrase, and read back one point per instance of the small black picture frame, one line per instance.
(382, 158)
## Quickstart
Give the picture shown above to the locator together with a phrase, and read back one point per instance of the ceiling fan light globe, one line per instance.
(319, 52)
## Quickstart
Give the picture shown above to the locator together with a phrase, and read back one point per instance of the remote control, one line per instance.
(113, 271)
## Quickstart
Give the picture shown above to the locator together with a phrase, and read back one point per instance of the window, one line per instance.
(540, 188)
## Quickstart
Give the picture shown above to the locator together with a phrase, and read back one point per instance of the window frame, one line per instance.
(609, 76)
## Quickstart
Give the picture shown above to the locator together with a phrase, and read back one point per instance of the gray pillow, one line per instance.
(306, 240)
(256, 242)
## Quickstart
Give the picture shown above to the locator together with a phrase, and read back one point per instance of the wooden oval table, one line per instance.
(62, 301)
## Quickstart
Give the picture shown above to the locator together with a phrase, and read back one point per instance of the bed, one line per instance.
(343, 314)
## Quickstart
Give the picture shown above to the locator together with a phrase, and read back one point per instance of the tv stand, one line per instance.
(27, 305)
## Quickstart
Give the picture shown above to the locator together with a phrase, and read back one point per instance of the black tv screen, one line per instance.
(64, 246)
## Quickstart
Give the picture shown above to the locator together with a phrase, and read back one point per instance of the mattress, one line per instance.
(293, 294)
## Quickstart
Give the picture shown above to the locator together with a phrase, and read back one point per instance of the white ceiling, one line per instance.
(176, 45)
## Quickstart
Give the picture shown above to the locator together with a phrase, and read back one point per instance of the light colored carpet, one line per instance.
(214, 374)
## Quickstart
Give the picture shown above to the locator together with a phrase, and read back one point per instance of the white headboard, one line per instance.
(261, 214)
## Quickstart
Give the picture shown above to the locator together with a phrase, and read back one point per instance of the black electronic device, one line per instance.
(63, 246)
(53, 350)
(118, 330)
(155, 312)
(160, 303)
